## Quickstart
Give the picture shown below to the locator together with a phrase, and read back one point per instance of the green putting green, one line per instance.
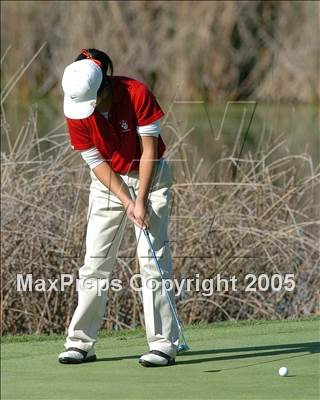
(226, 361)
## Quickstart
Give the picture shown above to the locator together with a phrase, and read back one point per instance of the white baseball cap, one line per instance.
(80, 82)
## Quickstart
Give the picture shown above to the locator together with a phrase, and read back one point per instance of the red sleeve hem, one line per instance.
(151, 119)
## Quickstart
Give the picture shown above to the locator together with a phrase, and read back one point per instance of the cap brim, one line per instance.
(77, 110)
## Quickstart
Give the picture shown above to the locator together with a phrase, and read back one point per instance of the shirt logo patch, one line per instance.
(124, 125)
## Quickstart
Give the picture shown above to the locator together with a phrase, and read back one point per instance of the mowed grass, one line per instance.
(227, 361)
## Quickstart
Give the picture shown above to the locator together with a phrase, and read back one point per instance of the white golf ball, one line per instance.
(283, 371)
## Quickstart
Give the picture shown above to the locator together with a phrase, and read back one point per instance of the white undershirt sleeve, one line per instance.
(92, 157)
(150, 130)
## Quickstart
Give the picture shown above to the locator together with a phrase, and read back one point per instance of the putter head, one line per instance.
(183, 347)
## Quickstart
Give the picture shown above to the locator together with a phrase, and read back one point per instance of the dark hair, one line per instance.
(104, 59)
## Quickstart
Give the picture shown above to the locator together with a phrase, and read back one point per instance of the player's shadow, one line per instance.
(249, 352)
(292, 349)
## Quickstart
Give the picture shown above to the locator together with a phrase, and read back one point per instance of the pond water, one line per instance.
(213, 127)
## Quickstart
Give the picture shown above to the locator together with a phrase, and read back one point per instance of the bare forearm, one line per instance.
(146, 170)
(113, 182)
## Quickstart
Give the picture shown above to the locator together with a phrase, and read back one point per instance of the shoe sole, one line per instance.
(67, 360)
(148, 364)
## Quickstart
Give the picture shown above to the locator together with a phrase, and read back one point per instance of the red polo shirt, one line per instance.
(116, 138)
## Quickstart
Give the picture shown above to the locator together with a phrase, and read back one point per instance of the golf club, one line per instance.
(182, 346)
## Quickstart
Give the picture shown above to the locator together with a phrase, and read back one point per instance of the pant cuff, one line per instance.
(78, 344)
(169, 349)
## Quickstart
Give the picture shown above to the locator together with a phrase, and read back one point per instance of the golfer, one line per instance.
(114, 122)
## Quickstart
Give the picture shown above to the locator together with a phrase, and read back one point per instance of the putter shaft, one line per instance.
(183, 345)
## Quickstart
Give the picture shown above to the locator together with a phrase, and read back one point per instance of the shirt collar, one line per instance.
(117, 88)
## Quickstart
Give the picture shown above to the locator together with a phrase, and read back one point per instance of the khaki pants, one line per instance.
(106, 226)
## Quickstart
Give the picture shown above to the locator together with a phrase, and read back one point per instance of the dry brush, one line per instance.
(265, 221)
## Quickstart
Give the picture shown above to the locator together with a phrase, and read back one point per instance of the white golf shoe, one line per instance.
(76, 356)
(156, 358)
